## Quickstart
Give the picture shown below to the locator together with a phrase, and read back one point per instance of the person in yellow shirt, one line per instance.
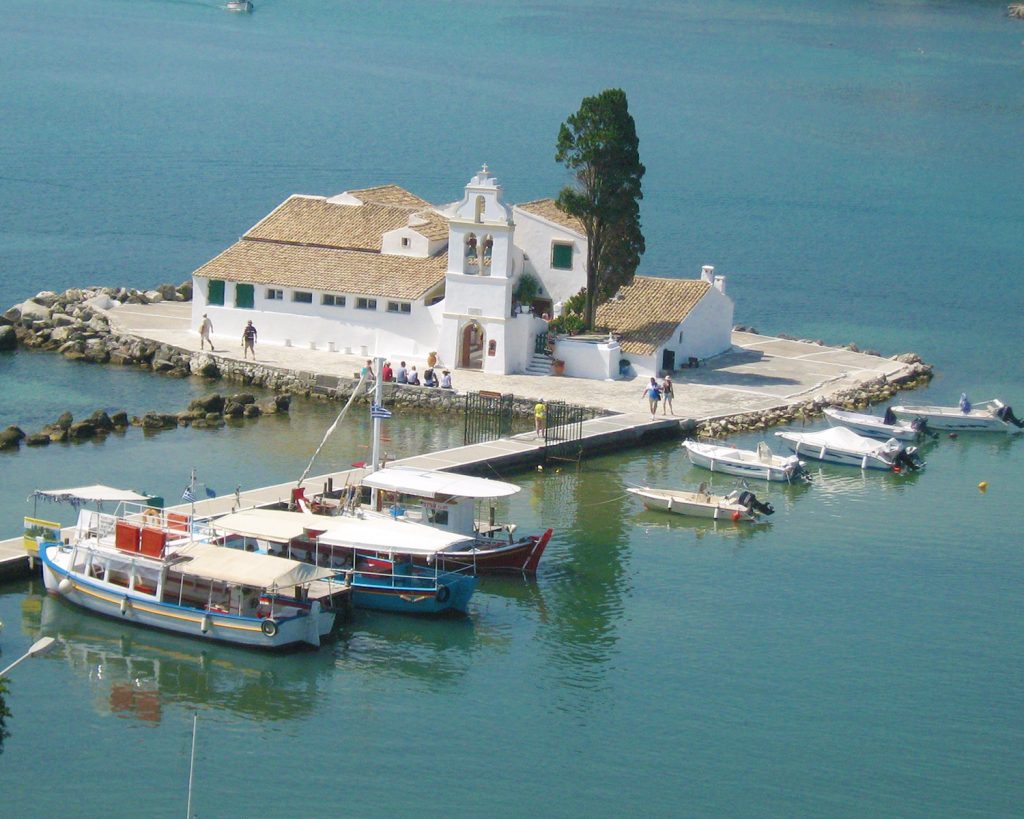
(539, 414)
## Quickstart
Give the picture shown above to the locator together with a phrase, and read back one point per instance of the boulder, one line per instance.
(47, 298)
(232, 409)
(101, 302)
(101, 420)
(65, 421)
(8, 338)
(243, 398)
(11, 437)
(82, 430)
(119, 419)
(252, 411)
(208, 404)
(37, 439)
(32, 312)
(154, 296)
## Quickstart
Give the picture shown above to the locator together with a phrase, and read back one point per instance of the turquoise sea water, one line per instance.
(854, 169)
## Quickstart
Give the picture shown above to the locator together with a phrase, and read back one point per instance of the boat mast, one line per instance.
(378, 397)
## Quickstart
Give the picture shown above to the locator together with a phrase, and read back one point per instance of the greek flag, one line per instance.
(377, 411)
(188, 495)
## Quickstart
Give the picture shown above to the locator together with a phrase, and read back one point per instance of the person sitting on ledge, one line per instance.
(429, 379)
(446, 380)
(414, 377)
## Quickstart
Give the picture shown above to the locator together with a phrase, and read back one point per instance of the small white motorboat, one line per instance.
(875, 426)
(243, 6)
(739, 505)
(985, 416)
(839, 445)
(763, 464)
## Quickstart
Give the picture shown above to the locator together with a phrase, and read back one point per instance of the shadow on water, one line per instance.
(136, 673)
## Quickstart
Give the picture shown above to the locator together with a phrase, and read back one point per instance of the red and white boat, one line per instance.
(451, 502)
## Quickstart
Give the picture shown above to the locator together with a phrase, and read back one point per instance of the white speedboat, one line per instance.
(151, 576)
(875, 426)
(763, 464)
(739, 505)
(839, 445)
(985, 416)
(243, 6)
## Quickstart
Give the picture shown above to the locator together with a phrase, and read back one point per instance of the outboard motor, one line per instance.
(1006, 414)
(920, 426)
(749, 500)
(890, 417)
(906, 460)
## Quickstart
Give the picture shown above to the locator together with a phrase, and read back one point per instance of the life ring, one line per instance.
(150, 515)
(268, 627)
(444, 594)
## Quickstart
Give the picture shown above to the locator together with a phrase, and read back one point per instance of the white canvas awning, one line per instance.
(270, 524)
(841, 438)
(97, 493)
(390, 535)
(246, 568)
(428, 483)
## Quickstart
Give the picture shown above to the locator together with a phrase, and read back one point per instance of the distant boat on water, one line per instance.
(243, 6)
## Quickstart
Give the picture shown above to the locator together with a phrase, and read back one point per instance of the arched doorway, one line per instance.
(471, 350)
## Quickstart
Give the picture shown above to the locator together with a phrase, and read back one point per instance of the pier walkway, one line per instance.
(760, 373)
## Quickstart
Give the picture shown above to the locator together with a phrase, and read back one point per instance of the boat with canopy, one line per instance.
(392, 564)
(138, 574)
(839, 445)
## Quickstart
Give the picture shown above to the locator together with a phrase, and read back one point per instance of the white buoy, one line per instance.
(65, 586)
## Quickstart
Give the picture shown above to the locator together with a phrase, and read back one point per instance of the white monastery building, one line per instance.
(382, 272)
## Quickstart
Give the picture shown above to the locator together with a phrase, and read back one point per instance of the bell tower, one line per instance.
(478, 282)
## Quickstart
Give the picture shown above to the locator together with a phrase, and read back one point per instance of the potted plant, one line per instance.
(557, 366)
(527, 289)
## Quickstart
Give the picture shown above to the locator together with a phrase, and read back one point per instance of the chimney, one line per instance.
(707, 274)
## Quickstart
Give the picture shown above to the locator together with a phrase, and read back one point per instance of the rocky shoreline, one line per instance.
(73, 324)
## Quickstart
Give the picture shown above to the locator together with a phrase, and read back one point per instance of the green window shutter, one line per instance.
(215, 292)
(244, 296)
(561, 257)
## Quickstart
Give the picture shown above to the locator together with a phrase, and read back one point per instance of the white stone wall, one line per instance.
(534, 237)
(589, 359)
(319, 326)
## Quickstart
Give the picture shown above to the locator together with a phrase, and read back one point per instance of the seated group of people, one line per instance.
(410, 376)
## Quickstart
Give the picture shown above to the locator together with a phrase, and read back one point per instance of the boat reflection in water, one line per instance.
(701, 527)
(135, 674)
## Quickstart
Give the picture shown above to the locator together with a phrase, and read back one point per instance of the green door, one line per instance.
(244, 296)
(215, 292)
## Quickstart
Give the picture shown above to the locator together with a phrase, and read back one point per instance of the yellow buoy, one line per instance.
(983, 486)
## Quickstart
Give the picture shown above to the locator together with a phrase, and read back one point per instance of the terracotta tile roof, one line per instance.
(333, 270)
(548, 209)
(649, 311)
(391, 195)
(429, 223)
(312, 220)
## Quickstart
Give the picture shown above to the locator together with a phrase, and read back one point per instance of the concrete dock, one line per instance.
(760, 373)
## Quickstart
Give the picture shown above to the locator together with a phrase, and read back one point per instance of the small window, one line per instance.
(302, 296)
(215, 292)
(399, 307)
(245, 296)
(273, 294)
(366, 304)
(561, 257)
(332, 300)
(680, 336)
(405, 241)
